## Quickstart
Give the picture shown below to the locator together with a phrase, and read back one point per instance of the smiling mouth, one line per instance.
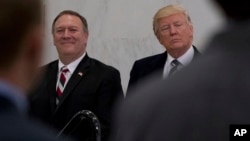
(67, 43)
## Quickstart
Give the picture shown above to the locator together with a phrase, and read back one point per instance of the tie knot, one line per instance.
(175, 63)
(64, 69)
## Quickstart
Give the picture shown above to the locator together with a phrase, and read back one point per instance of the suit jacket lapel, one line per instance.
(75, 78)
(196, 53)
(52, 76)
(159, 62)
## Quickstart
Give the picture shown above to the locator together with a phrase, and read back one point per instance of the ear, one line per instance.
(34, 45)
(86, 35)
(53, 35)
(30, 56)
(191, 28)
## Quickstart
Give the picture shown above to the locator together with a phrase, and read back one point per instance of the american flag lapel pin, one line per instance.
(80, 73)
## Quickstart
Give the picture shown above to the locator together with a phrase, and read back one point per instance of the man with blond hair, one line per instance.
(174, 30)
(208, 101)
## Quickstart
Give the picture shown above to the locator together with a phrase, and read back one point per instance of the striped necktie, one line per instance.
(61, 81)
(175, 63)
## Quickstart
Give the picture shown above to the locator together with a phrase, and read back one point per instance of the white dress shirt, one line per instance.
(72, 66)
(185, 59)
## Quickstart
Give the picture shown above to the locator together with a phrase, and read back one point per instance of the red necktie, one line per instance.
(61, 81)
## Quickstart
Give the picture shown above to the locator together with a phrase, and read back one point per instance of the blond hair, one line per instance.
(167, 11)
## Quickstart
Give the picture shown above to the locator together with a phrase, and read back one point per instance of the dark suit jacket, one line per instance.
(148, 66)
(93, 86)
(15, 125)
(200, 102)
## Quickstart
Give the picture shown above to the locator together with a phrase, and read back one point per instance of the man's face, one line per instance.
(69, 36)
(175, 32)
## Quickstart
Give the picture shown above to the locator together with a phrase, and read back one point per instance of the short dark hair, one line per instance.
(74, 13)
(17, 17)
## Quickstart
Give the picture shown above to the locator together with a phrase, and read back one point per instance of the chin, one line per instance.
(177, 46)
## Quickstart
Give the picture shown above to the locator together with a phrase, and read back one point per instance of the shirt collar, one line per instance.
(185, 59)
(71, 66)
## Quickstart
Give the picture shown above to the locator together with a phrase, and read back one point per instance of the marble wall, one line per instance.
(121, 30)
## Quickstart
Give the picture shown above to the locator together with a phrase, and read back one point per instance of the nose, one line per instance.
(172, 30)
(66, 34)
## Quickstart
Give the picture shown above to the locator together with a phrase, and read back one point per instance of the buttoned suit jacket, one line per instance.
(93, 86)
(146, 67)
